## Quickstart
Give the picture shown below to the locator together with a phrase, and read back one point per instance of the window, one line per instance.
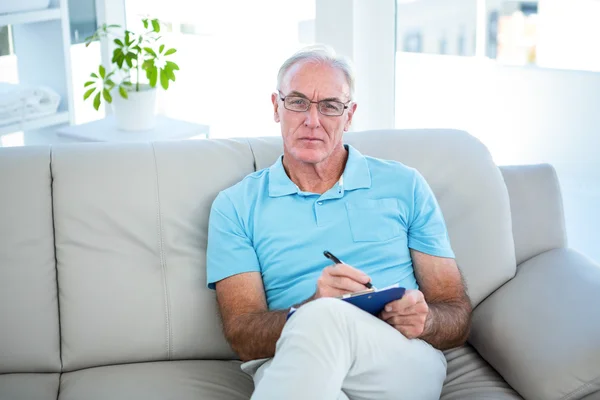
(545, 33)
(527, 93)
(437, 26)
(229, 54)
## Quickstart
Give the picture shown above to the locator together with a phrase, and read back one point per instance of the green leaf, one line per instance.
(170, 74)
(123, 92)
(118, 42)
(152, 76)
(148, 64)
(106, 95)
(172, 65)
(170, 51)
(120, 60)
(150, 51)
(114, 26)
(110, 83)
(88, 93)
(129, 62)
(88, 83)
(118, 51)
(164, 79)
(161, 48)
(102, 71)
(155, 25)
(145, 21)
(93, 75)
(127, 41)
(97, 101)
(127, 83)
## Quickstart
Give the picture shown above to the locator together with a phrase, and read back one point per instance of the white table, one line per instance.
(105, 130)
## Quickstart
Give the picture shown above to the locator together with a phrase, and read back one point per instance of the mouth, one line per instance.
(310, 140)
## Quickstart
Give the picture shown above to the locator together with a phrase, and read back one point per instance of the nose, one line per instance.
(312, 117)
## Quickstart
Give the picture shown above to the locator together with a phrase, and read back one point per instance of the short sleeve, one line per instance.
(427, 231)
(229, 249)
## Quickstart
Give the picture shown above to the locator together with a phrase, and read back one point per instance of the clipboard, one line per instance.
(371, 301)
(374, 301)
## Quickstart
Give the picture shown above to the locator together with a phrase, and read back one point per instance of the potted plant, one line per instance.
(135, 55)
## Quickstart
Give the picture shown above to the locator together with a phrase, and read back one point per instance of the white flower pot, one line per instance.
(138, 111)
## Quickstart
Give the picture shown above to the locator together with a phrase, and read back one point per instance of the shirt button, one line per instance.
(319, 203)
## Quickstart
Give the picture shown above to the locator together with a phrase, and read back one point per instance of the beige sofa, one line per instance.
(102, 270)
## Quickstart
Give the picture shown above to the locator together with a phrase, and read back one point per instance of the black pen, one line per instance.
(337, 261)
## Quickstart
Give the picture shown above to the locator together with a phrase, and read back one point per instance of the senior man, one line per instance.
(266, 240)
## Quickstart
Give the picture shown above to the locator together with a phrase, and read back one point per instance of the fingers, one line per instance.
(345, 270)
(413, 302)
(407, 315)
(345, 284)
(412, 331)
(340, 279)
(401, 310)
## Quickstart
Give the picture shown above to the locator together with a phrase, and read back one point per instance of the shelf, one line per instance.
(30, 16)
(38, 123)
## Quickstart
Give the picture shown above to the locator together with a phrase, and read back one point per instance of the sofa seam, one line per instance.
(253, 155)
(163, 263)
(60, 355)
(570, 396)
(561, 204)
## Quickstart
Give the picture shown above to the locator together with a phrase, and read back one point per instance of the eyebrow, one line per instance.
(299, 94)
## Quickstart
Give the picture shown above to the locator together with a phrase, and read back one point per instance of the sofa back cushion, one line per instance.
(467, 184)
(28, 301)
(131, 223)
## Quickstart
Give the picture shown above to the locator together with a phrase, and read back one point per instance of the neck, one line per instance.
(316, 178)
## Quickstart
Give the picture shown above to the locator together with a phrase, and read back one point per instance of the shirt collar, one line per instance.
(356, 175)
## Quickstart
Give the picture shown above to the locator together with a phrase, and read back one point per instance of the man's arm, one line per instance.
(448, 322)
(439, 313)
(250, 328)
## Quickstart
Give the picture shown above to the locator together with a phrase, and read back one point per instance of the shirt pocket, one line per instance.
(374, 220)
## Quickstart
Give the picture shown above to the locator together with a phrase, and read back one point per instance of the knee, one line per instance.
(323, 308)
(321, 314)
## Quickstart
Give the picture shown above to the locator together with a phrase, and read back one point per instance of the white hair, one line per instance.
(320, 54)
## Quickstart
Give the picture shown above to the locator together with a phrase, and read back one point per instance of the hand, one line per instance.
(339, 279)
(408, 314)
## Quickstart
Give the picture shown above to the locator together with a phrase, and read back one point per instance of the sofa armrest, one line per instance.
(541, 330)
(537, 209)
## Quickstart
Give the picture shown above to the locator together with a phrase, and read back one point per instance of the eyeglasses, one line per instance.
(330, 108)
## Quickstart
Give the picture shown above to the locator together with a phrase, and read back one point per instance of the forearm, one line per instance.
(254, 335)
(447, 324)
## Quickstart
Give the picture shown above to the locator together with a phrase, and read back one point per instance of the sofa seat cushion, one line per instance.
(179, 380)
(471, 377)
(29, 386)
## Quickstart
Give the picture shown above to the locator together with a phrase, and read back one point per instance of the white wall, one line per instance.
(367, 37)
(523, 115)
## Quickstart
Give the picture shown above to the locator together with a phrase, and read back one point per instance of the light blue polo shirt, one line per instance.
(266, 224)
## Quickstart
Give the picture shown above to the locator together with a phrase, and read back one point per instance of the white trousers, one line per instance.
(330, 350)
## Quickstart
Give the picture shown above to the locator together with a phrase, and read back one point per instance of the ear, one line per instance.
(275, 107)
(351, 110)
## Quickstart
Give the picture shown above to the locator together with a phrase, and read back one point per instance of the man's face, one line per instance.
(309, 136)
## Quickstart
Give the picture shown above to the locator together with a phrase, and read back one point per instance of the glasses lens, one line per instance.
(296, 103)
(331, 107)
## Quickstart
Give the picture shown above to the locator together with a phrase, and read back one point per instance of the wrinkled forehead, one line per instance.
(316, 79)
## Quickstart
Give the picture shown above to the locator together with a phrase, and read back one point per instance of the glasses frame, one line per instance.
(346, 105)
